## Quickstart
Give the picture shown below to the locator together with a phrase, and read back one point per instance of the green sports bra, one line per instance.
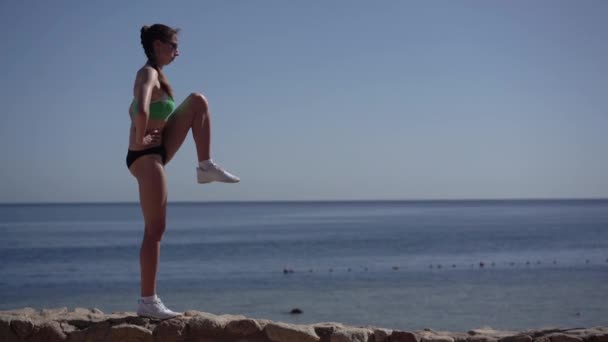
(159, 110)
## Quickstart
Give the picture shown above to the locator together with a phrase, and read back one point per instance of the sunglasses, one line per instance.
(173, 45)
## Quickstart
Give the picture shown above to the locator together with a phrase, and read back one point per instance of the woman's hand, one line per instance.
(151, 139)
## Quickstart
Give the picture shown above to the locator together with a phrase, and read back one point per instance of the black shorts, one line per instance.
(133, 155)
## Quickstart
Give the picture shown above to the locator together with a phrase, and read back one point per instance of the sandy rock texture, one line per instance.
(92, 325)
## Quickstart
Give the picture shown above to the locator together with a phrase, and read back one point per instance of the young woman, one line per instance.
(158, 129)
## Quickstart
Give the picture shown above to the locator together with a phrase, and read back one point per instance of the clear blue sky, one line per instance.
(315, 99)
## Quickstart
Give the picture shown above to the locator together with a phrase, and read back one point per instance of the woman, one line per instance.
(157, 132)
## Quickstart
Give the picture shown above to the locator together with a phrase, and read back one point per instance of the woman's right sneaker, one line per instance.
(155, 309)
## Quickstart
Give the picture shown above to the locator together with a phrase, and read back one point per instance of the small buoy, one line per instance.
(395, 268)
(481, 264)
(296, 311)
(453, 265)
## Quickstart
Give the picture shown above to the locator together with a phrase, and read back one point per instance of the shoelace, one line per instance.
(161, 305)
(213, 165)
(217, 167)
(158, 303)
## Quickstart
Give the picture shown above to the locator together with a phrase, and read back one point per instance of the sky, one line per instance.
(315, 100)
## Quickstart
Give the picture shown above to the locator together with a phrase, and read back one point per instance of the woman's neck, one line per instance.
(154, 65)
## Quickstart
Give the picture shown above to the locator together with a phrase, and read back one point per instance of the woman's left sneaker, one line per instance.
(209, 172)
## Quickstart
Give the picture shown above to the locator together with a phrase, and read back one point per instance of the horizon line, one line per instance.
(514, 199)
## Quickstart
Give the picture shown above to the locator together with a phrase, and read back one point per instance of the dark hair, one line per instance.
(163, 33)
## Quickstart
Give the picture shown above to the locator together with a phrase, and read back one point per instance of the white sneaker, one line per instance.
(212, 172)
(156, 309)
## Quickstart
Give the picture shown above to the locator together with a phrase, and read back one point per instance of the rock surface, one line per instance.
(81, 324)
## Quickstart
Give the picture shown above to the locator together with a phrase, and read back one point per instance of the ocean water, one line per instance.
(453, 265)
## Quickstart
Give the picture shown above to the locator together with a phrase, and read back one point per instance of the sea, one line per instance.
(446, 265)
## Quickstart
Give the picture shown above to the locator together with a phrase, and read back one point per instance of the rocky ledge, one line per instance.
(91, 325)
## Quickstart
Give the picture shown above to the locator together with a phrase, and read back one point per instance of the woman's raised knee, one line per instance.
(200, 101)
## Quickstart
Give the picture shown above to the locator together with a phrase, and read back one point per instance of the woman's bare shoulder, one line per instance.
(146, 72)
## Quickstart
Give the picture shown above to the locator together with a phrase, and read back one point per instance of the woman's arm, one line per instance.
(147, 77)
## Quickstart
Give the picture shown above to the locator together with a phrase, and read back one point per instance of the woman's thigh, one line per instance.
(180, 122)
(150, 175)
